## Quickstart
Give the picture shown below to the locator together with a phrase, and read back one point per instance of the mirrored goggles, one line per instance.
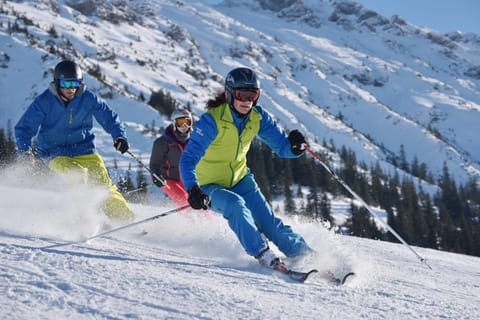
(69, 83)
(183, 122)
(247, 94)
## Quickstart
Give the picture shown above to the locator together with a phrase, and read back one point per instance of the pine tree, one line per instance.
(289, 203)
(446, 229)
(376, 186)
(349, 172)
(7, 146)
(313, 208)
(429, 239)
(449, 195)
(325, 209)
(414, 225)
(125, 183)
(3, 148)
(360, 224)
(141, 195)
(403, 159)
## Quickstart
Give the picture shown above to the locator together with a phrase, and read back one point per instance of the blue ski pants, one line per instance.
(249, 215)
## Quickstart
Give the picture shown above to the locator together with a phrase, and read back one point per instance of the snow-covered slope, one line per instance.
(190, 266)
(335, 70)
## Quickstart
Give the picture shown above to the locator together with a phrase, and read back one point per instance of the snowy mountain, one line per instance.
(333, 69)
(336, 70)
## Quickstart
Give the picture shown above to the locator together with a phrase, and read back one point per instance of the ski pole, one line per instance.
(166, 213)
(139, 189)
(356, 196)
(161, 179)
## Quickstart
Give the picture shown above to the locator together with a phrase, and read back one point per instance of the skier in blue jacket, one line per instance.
(61, 119)
(215, 173)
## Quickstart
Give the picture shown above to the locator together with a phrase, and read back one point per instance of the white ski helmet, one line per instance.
(181, 114)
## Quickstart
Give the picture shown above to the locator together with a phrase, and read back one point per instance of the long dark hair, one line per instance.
(218, 100)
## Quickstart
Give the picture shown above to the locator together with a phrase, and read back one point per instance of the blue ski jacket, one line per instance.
(65, 130)
(206, 131)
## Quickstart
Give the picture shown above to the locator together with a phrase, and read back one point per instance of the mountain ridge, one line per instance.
(359, 79)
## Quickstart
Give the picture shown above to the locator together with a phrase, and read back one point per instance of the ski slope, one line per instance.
(190, 266)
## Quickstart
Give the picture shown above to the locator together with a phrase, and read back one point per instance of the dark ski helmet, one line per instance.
(67, 70)
(240, 78)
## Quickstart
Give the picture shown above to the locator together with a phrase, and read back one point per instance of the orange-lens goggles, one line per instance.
(247, 94)
(180, 122)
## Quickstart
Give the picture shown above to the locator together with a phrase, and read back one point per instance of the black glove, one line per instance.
(159, 183)
(197, 198)
(297, 141)
(121, 144)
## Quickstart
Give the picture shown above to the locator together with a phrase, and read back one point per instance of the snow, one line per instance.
(190, 266)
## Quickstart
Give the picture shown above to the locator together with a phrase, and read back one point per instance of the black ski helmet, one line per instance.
(244, 78)
(67, 70)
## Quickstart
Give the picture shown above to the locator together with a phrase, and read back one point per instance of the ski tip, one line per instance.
(308, 274)
(312, 271)
(346, 278)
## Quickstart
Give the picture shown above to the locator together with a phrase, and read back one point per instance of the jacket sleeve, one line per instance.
(28, 125)
(204, 133)
(275, 137)
(157, 158)
(107, 118)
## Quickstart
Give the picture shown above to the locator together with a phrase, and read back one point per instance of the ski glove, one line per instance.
(297, 142)
(197, 198)
(121, 144)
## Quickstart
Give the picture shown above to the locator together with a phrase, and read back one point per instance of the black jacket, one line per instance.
(166, 153)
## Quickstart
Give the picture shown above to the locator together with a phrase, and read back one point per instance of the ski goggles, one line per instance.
(183, 122)
(247, 94)
(69, 83)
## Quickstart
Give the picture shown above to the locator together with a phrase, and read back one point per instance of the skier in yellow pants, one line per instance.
(61, 120)
(93, 170)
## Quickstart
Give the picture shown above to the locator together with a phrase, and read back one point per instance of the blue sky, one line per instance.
(441, 15)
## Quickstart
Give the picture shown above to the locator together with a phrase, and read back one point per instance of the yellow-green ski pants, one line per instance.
(92, 167)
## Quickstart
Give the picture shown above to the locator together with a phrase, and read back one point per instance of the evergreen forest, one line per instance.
(448, 219)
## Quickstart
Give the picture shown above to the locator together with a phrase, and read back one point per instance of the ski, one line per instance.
(297, 276)
(302, 276)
